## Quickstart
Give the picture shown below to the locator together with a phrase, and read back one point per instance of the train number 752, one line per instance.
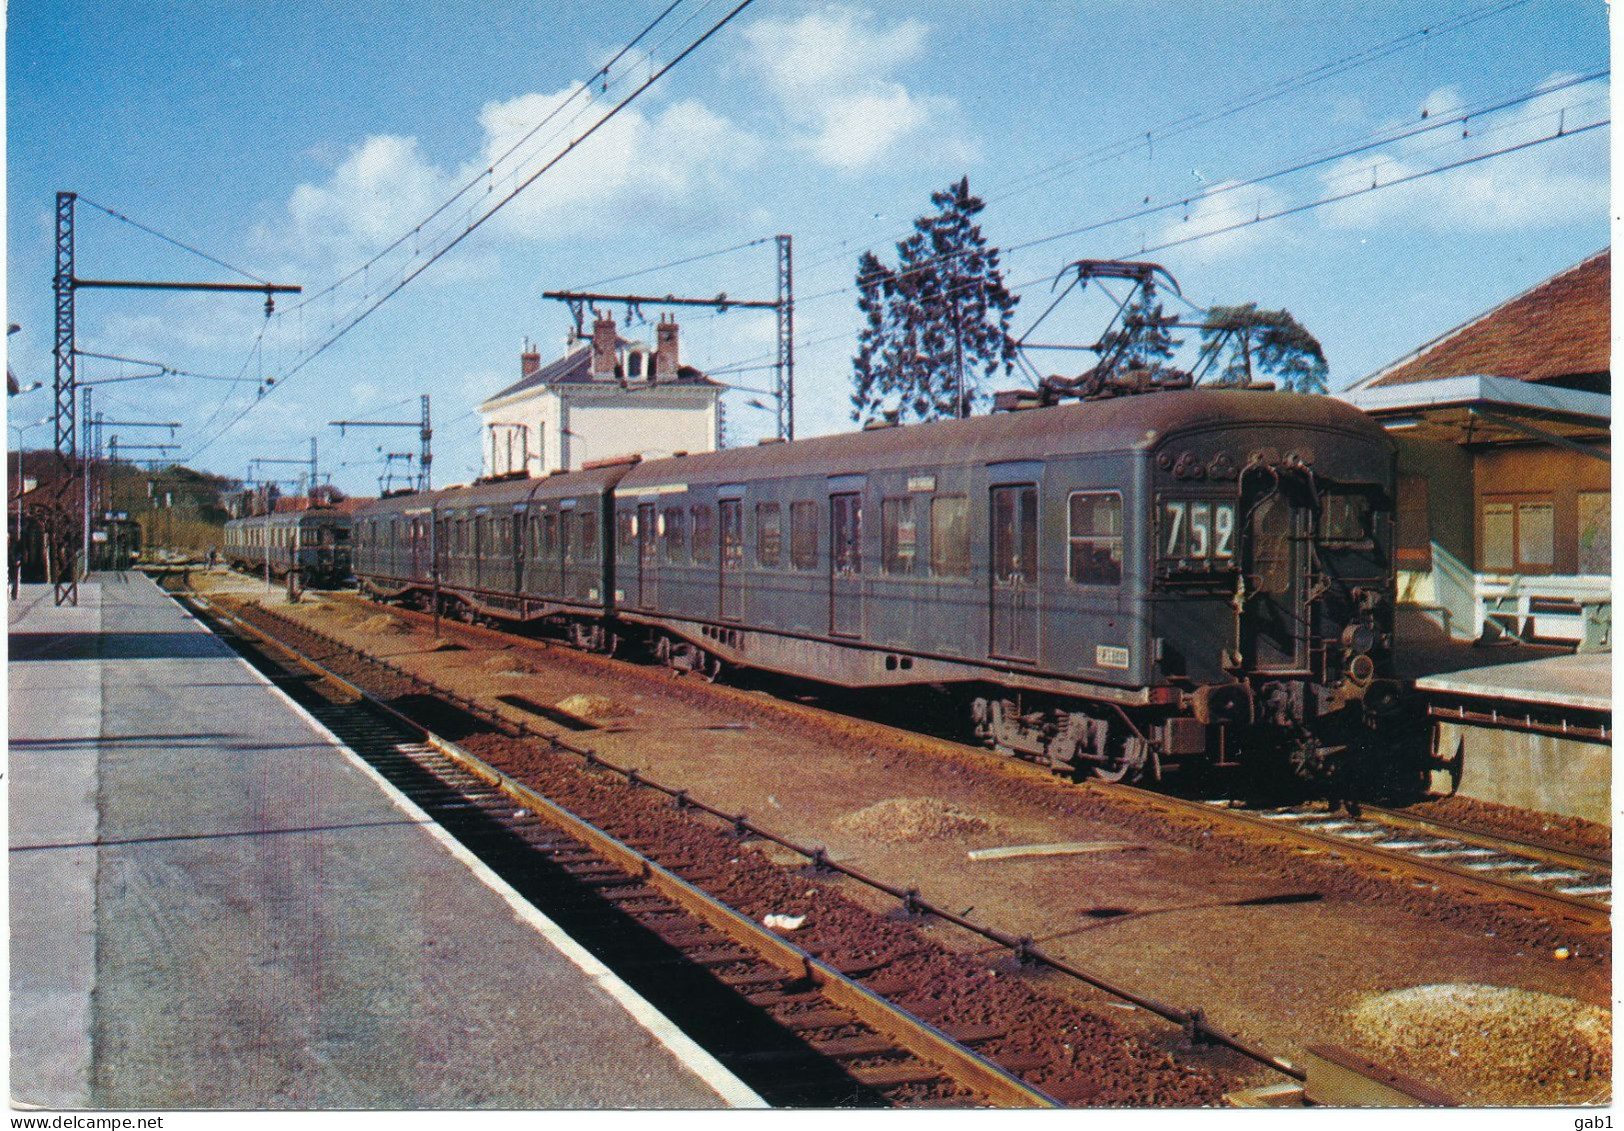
(1198, 530)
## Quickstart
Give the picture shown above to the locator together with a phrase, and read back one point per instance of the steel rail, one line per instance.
(1580, 913)
(896, 1024)
(1193, 1021)
(1566, 857)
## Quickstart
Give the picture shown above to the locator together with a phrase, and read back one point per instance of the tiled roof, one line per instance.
(1559, 329)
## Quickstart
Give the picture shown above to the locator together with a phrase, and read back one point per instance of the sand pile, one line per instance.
(1492, 1044)
(911, 819)
(383, 623)
(592, 707)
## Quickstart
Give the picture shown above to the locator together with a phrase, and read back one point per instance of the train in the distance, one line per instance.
(314, 542)
(1119, 586)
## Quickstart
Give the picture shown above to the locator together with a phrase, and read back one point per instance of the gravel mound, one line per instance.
(1492, 1044)
(592, 707)
(384, 623)
(911, 819)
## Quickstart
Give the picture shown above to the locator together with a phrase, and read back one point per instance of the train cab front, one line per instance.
(1275, 575)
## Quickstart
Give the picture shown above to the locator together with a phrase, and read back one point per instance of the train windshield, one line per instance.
(1346, 518)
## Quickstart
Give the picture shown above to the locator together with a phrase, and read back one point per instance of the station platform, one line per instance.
(214, 905)
(1535, 734)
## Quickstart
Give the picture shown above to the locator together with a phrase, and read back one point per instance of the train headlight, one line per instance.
(1361, 670)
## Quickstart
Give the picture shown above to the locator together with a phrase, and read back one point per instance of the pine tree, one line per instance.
(937, 326)
(875, 283)
(1254, 344)
(1144, 340)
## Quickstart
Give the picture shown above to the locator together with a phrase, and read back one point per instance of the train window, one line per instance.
(769, 534)
(589, 535)
(730, 518)
(625, 534)
(899, 535)
(549, 534)
(1015, 533)
(1345, 518)
(950, 536)
(846, 533)
(565, 521)
(673, 539)
(702, 542)
(1096, 538)
(803, 535)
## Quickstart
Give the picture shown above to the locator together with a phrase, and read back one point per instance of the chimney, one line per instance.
(665, 350)
(603, 348)
(529, 361)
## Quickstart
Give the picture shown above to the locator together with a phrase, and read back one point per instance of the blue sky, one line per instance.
(296, 141)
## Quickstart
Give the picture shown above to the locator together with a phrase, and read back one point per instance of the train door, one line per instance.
(648, 563)
(516, 534)
(731, 520)
(1014, 573)
(846, 564)
(1274, 634)
(566, 552)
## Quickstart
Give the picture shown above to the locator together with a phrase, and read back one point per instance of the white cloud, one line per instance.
(832, 69)
(672, 167)
(635, 170)
(381, 185)
(1547, 185)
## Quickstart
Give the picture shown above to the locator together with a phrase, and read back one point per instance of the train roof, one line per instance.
(293, 518)
(594, 481)
(1117, 424)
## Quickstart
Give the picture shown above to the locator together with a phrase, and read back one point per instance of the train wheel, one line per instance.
(1128, 765)
(710, 667)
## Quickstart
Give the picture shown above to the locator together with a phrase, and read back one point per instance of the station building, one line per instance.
(1505, 539)
(605, 397)
(1505, 501)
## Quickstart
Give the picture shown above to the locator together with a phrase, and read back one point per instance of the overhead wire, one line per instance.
(1196, 119)
(1388, 136)
(584, 87)
(1561, 134)
(151, 231)
(656, 74)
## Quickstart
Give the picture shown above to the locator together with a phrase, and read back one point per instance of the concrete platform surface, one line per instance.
(1584, 682)
(214, 905)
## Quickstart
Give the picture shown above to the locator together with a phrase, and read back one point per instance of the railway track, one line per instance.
(1562, 885)
(801, 1030)
(1198, 1029)
(1568, 887)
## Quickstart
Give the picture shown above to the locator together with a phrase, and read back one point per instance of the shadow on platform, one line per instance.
(27, 646)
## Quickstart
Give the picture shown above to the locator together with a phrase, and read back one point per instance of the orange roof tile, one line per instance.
(1561, 328)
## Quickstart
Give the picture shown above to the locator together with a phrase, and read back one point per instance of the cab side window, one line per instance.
(1095, 535)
